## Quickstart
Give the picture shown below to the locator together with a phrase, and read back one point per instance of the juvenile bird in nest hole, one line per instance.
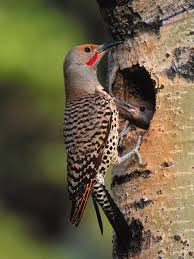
(91, 137)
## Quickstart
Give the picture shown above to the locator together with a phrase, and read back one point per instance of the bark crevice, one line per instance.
(182, 64)
(121, 179)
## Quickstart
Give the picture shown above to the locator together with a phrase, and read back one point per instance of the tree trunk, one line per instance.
(154, 68)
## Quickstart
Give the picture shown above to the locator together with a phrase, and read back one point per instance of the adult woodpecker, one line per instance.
(91, 137)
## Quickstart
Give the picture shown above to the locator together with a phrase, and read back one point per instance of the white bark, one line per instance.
(159, 198)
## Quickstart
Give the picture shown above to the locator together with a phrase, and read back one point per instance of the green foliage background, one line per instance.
(34, 208)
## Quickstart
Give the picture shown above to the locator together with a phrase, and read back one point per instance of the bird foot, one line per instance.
(123, 132)
(134, 151)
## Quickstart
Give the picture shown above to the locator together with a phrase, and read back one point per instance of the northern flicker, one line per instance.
(91, 136)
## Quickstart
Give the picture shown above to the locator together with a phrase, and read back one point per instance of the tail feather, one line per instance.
(79, 204)
(98, 215)
(116, 219)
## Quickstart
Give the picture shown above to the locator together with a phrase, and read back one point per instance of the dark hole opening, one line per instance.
(136, 86)
(140, 84)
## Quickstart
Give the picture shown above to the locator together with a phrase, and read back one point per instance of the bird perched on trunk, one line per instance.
(91, 137)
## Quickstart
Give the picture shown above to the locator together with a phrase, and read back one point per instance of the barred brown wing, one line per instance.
(87, 125)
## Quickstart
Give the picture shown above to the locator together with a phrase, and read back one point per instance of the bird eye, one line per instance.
(87, 49)
(142, 108)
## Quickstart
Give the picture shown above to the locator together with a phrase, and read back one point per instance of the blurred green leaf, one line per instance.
(33, 43)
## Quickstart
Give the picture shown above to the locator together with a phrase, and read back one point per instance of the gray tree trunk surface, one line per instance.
(154, 68)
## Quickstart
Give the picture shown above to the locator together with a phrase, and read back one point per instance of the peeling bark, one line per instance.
(155, 68)
(127, 18)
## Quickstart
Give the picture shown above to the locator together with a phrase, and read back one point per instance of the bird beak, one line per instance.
(104, 47)
(124, 105)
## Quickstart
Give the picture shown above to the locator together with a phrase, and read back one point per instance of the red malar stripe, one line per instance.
(92, 60)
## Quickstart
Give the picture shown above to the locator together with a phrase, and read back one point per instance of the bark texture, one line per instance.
(155, 68)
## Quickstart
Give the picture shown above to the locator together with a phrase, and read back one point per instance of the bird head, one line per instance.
(88, 55)
(80, 69)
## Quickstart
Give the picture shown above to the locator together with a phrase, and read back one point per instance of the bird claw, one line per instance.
(134, 151)
(123, 132)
